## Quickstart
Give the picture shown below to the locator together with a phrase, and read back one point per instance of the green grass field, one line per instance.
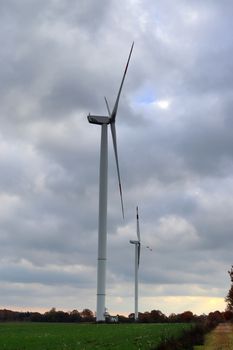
(57, 336)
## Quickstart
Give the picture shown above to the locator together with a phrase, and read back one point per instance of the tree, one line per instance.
(227, 315)
(229, 297)
(216, 317)
(50, 316)
(87, 315)
(144, 317)
(75, 316)
(157, 316)
(186, 316)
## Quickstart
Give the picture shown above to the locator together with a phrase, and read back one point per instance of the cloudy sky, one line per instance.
(59, 59)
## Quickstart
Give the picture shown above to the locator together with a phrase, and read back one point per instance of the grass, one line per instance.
(57, 336)
(218, 339)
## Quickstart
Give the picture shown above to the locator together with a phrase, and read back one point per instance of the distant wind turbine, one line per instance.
(136, 267)
(104, 121)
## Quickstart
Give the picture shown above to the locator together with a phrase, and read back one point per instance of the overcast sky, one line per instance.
(59, 59)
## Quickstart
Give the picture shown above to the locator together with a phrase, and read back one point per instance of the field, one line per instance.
(57, 336)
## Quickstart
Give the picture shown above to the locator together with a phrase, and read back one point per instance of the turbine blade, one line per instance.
(139, 252)
(149, 248)
(113, 130)
(138, 229)
(109, 113)
(114, 111)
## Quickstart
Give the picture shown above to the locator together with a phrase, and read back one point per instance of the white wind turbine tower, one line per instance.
(104, 121)
(136, 267)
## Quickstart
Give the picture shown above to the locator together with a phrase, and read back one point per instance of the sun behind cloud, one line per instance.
(163, 104)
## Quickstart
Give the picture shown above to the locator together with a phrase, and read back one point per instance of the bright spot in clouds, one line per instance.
(163, 104)
(147, 98)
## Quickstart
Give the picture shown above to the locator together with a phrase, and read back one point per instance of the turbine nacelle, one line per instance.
(98, 119)
(134, 242)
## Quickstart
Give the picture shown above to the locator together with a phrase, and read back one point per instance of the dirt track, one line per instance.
(219, 339)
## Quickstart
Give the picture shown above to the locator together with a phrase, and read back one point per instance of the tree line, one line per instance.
(154, 316)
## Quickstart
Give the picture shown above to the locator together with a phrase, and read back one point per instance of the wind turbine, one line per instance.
(104, 121)
(137, 261)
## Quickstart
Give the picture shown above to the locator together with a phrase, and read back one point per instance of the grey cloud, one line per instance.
(22, 273)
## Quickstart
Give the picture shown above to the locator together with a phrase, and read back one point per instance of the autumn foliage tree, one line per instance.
(229, 297)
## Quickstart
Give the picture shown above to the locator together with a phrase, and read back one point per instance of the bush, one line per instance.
(189, 338)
